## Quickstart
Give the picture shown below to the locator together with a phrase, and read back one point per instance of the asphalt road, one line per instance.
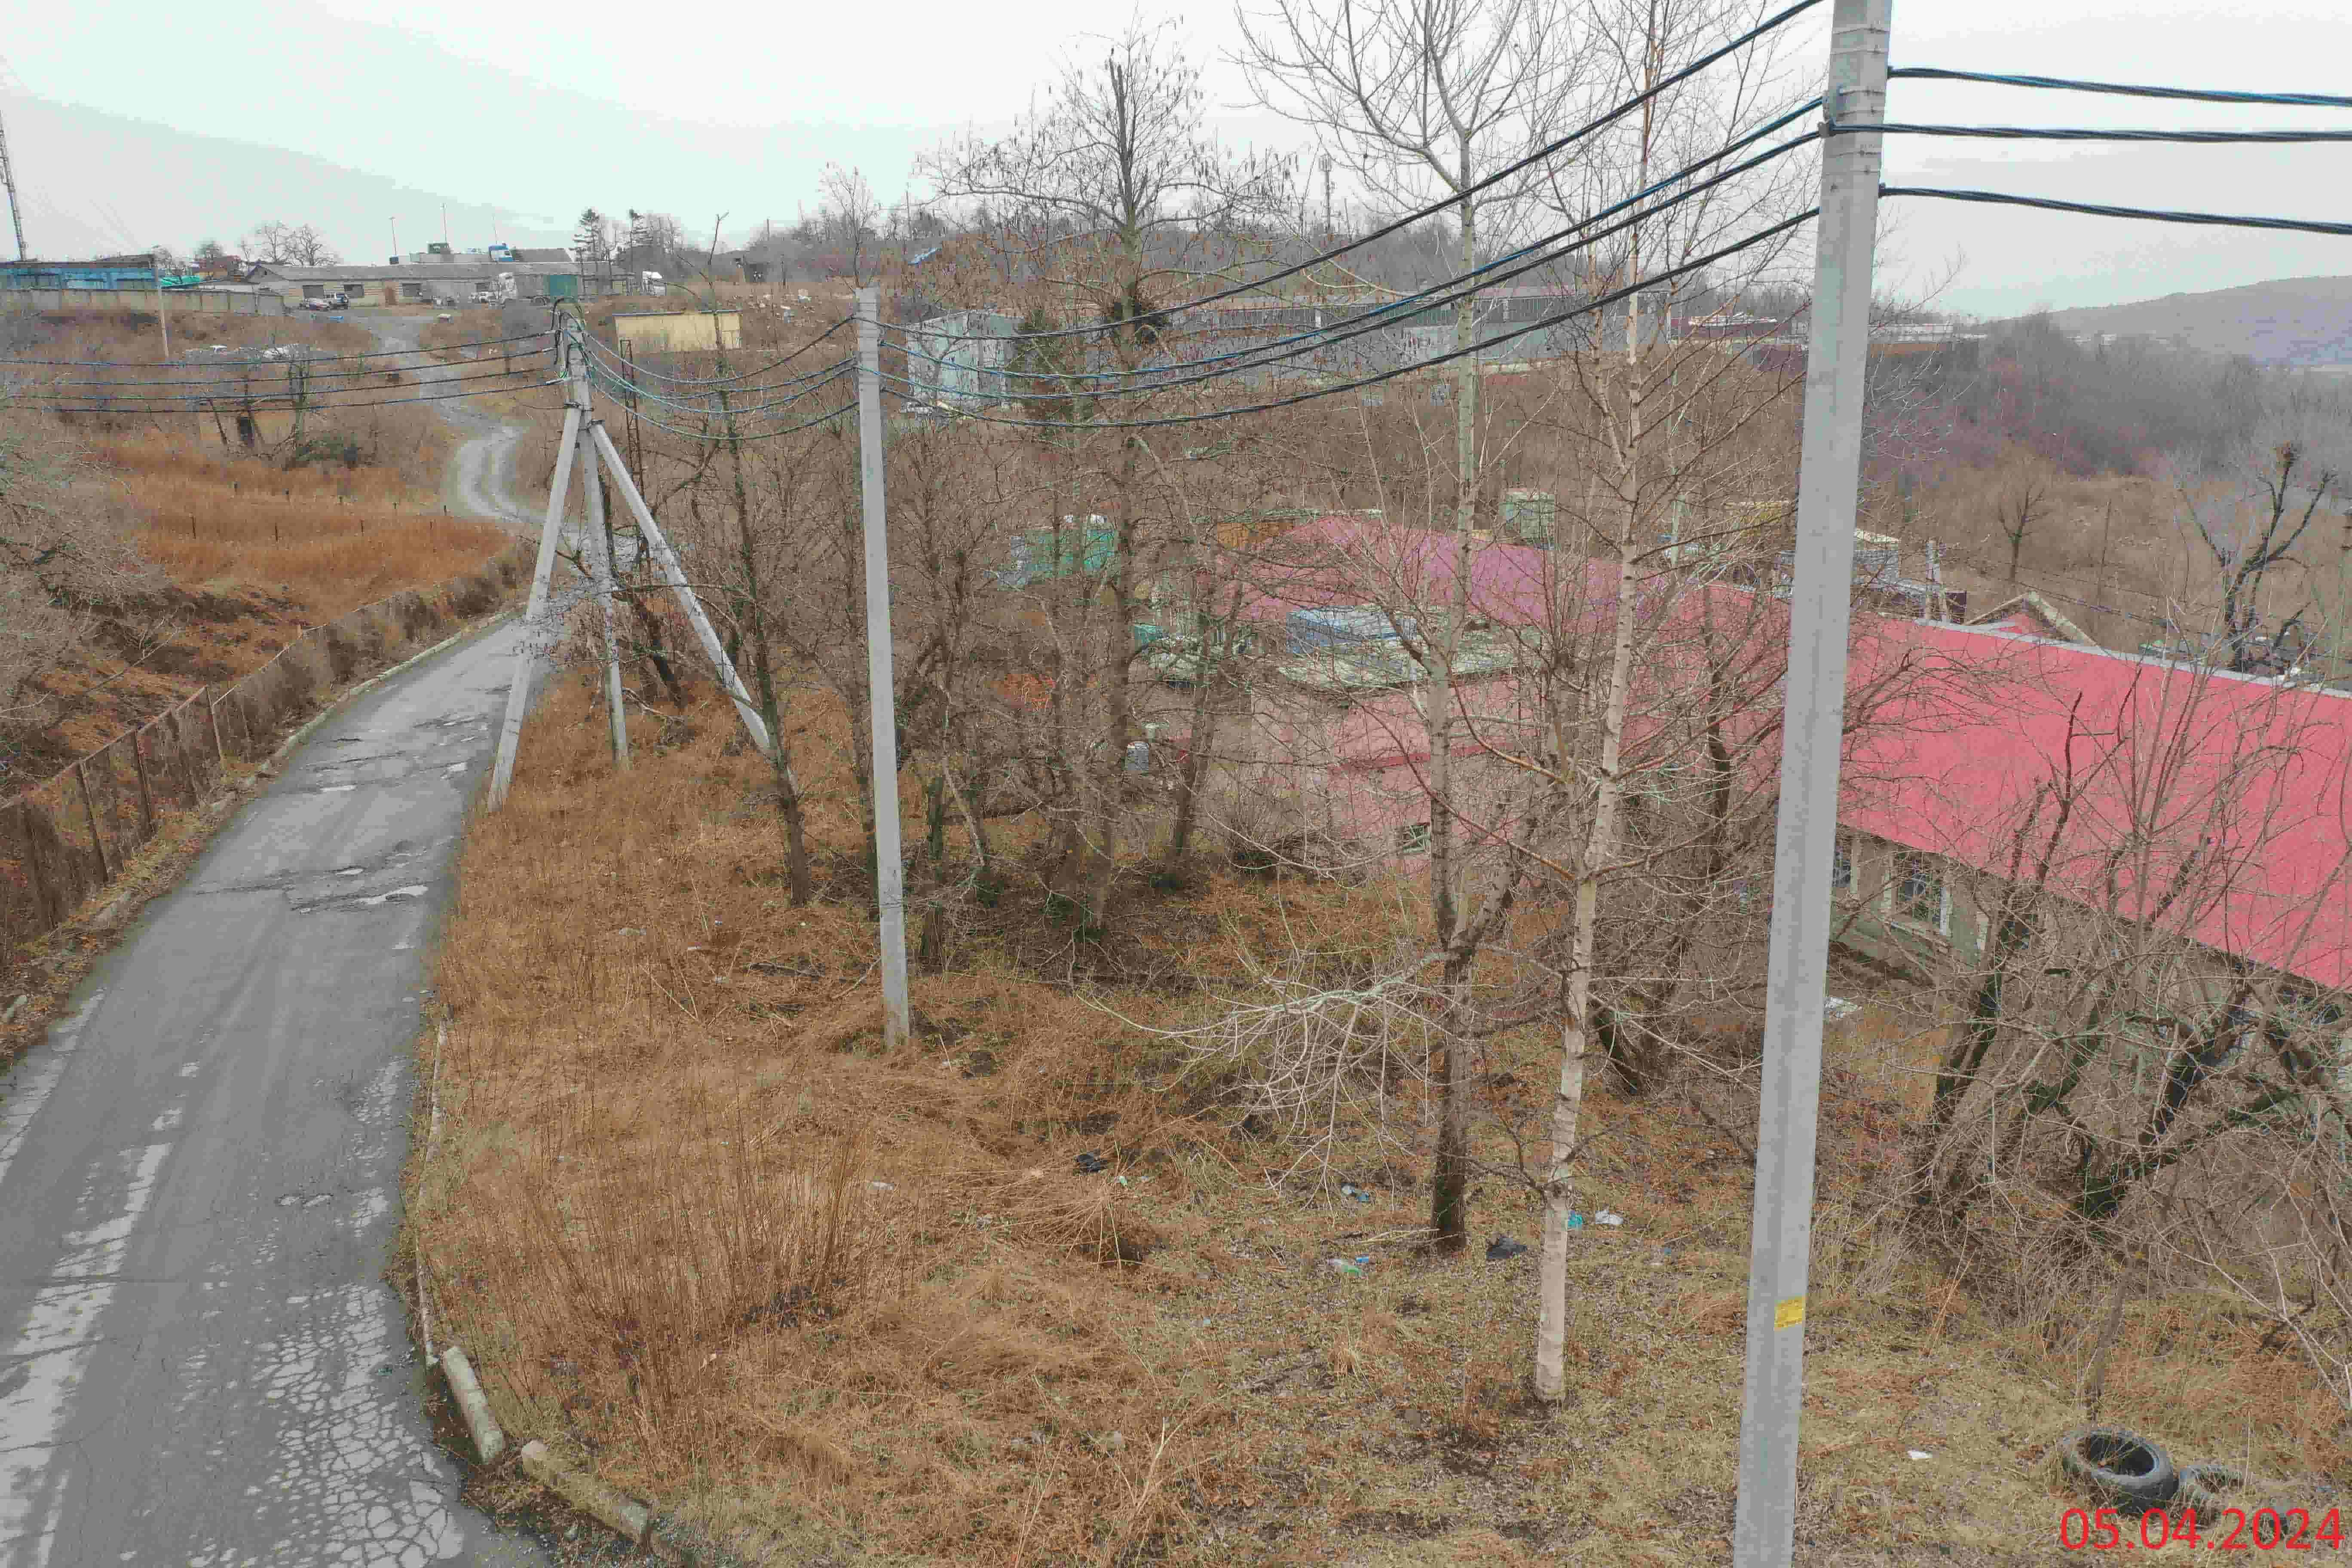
(200, 1360)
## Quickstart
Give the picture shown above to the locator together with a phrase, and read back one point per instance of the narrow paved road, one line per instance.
(200, 1360)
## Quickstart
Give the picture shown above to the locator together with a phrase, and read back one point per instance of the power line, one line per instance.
(2085, 134)
(252, 368)
(739, 412)
(1436, 297)
(1455, 198)
(2062, 84)
(254, 391)
(308, 359)
(1543, 324)
(636, 369)
(757, 435)
(322, 407)
(2093, 209)
(623, 386)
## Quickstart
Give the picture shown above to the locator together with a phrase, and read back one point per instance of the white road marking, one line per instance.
(55, 1346)
(36, 1080)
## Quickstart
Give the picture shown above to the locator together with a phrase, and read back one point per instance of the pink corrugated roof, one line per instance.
(2233, 791)
(2247, 783)
(1343, 559)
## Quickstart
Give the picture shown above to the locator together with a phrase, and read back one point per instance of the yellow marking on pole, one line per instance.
(1788, 1313)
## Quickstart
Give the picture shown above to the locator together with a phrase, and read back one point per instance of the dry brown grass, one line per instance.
(133, 337)
(655, 1220)
(336, 537)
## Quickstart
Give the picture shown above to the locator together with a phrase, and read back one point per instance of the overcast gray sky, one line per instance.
(736, 108)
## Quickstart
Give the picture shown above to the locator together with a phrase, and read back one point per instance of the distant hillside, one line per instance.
(2296, 321)
(95, 182)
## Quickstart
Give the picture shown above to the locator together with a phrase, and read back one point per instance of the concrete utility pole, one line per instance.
(9, 178)
(1820, 607)
(584, 436)
(600, 540)
(882, 703)
(535, 616)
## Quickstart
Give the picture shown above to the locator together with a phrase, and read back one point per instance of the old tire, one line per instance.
(2208, 1488)
(2118, 1467)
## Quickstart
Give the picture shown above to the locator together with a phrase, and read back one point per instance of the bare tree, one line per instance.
(284, 244)
(1668, 426)
(1102, 204)
(2251, 534)
(849, 222)
(1421, 100)
(2021, 505)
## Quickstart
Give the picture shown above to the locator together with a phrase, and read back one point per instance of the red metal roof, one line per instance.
(2221, 805)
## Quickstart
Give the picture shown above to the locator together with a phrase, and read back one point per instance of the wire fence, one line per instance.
(68, 837)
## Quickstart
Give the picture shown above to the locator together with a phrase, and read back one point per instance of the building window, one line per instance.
(314, 290)
(412, 290)
(1921, 895)
(1412, 838)
(1842, 867)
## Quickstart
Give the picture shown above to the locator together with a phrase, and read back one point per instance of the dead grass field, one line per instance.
(335, 537)
(248, 554)
(828, 1304)
(135, 336)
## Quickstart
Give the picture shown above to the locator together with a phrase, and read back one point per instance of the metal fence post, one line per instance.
(1820, 609)
(43, 900)
(146, 796)
(90, 815)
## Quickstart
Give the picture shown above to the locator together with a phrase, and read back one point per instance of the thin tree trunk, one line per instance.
(1188, 778)
(753, 615)
(1599, 846)
(1449, 1202)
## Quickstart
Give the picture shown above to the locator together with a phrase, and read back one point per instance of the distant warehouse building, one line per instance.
(103, 272)
(420, 282)
(125, 283)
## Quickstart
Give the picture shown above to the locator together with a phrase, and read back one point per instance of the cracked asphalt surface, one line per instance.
(200, 1360)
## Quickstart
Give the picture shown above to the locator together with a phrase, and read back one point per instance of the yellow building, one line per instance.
(679, 332)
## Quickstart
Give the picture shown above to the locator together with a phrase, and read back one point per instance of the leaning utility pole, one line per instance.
(1820, 607)
(882, 704)
(535, 627)
(584, 436)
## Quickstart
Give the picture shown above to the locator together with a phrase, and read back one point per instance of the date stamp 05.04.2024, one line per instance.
(2226, 1530)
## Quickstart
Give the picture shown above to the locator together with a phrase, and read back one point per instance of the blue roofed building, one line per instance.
(104, 272)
